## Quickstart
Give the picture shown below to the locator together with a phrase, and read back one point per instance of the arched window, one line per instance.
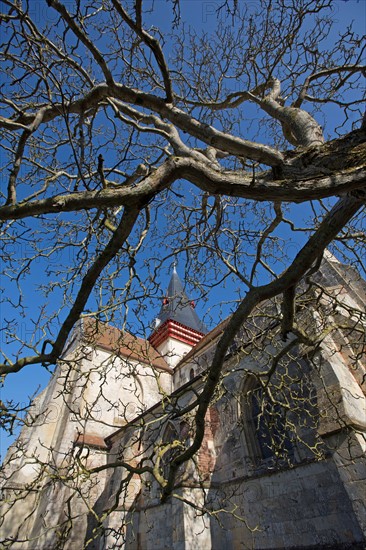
(169, 436)
(266, 431)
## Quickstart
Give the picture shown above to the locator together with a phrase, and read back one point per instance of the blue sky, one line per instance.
(20, 387)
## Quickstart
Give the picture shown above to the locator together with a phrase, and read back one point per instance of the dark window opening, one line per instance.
(270, 426)
(268, 435)
(170, 436)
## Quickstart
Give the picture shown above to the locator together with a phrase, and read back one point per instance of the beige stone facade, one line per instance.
(286, 472)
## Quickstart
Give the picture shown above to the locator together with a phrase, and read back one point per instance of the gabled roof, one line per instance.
(98, 334)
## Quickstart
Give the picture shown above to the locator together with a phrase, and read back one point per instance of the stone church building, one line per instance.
(282, 463)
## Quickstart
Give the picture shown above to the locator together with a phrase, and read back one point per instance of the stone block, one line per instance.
(355, 471)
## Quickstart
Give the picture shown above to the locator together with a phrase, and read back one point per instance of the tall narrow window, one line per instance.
(267, 435)
(170, 435)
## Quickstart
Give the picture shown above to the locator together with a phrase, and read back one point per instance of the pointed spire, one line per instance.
(178, 307)
(177, 318)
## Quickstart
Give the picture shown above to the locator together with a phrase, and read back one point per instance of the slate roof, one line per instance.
(178, 307)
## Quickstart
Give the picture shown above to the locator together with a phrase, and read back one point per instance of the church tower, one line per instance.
(177, 328)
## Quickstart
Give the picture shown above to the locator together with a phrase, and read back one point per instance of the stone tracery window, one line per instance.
(266, 433)
(170, 435)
